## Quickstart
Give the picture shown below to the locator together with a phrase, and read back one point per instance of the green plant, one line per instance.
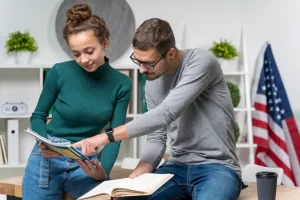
(224, 49)
(236, 132)
(234, 93)
(20, 42)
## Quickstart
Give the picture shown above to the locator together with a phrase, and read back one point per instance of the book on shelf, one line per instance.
(63, 148)
(3, 157)
(143, 185)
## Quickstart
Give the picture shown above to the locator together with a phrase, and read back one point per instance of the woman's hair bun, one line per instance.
(78, 13)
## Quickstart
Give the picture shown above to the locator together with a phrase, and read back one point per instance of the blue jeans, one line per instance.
(197, 182)
(49, 178)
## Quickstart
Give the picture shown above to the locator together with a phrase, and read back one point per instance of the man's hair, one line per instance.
(154, 33)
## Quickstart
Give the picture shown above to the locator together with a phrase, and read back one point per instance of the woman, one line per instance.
(86, 94)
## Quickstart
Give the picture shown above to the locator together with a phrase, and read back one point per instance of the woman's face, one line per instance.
(87, 50)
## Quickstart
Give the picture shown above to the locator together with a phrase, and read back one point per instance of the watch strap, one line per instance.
(110, 134)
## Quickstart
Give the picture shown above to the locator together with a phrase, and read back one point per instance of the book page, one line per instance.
(105, 188)
(3, 149)
(146, 182)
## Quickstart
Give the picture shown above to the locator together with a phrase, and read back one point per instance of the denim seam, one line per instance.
(163, 190)
(188, 178)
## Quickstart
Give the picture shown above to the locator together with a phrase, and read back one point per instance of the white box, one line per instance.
(13, 141)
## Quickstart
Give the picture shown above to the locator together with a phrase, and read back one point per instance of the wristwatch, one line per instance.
(110, 134)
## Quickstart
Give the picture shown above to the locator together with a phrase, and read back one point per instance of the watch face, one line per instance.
(117, 15)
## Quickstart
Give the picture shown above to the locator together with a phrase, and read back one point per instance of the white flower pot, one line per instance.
(23, 57)
(228, 65)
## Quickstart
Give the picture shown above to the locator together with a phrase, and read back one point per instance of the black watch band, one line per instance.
(110, 134)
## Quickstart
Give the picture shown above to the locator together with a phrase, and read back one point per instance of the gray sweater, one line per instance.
(196, 103)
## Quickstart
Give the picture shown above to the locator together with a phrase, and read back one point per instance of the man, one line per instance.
(185, 90)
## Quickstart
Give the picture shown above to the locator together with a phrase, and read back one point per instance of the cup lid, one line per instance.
(266, 174)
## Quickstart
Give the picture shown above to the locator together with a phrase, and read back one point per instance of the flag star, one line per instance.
(266, 61)
(263, 88)
(267, 70)
(271, 70)
(269, 93)
(271, 108)
(279, 100)
(268, 85)
(276, 101)
(267, 77)
(277, 109)
(278, 117)
(272, 77)
(275, 93)
(282, 111)
(276, 88)
(273, 85)
(270, 101)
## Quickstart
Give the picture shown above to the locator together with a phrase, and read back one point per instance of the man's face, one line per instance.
(151, 62)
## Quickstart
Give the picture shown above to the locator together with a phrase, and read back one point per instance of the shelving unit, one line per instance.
(243, 113)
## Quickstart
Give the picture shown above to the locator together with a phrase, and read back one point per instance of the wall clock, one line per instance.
(117, 15)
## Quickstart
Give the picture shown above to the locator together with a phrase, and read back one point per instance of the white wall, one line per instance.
(205, 20)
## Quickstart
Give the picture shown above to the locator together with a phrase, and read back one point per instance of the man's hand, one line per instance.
(91, 145)
(141, 168)
(46, 152)
(92, 169)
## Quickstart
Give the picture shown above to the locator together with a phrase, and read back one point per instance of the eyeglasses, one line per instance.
(148, 65)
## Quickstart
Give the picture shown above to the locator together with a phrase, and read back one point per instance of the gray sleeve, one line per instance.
(156, 141)
(200, 71)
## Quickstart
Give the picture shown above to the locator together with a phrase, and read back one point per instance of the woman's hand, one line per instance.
(92, 145)
(46, 152)
(92, 169)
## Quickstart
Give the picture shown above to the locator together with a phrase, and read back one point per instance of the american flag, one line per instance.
(274, 128)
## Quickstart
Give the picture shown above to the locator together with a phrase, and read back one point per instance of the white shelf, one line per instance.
(235, 73)
(47, 66)
(15, 116)
(245, 145)
(27, 66)
(22, 165)
(243, 109)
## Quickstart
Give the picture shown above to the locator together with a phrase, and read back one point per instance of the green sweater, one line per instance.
(83, 103)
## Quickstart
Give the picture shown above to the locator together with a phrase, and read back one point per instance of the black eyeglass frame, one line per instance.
(147, 65)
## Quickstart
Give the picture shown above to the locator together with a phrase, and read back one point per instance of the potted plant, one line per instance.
(234, 93)
(21, 45)
(225, 51)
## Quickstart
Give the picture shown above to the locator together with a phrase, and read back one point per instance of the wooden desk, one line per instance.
(282, 192)
(12, 187)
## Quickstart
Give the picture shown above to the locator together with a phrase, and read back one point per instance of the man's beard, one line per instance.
(155, 76)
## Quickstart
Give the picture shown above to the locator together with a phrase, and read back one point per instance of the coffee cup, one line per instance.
(266, 185)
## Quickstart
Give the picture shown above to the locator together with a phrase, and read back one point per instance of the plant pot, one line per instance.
(228, 65)
(23, 57)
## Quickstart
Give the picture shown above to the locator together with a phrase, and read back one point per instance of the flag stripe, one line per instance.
(260, 107)
(292, 128)
(260, 132)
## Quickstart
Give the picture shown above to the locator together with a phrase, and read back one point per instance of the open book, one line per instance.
(143, 185)
(64, 148)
